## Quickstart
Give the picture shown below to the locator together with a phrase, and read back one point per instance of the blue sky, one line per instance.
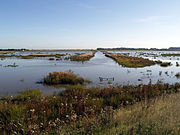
(89, 23)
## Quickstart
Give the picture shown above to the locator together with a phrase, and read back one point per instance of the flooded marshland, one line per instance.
(18, 74)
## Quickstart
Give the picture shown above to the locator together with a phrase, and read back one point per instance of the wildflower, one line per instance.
(57, 120)
(32, 110)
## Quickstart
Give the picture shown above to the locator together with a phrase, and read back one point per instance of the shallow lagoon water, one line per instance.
(30, 71)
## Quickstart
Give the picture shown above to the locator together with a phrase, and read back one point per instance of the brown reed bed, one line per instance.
(130, 61)
(82, 57)
(80, 110)
(6, 52)
(47, 55)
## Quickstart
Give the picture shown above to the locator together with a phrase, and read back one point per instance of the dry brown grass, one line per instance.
(82, 57)
(160, 116)
(42, 55)
(86, 54)
(5, 52)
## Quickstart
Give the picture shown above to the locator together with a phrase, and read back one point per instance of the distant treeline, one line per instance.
(154, 49)
(14, 49)
(121, 48)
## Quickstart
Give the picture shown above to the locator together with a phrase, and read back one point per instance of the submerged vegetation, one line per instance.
(13, 65)
(82, 57)
(178, 75)
(130, 61)
(165, 64)
(80, 110)
(51, 59)
(61, 77)
(177, 64)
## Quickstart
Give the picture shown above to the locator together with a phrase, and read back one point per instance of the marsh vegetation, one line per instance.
(170, 54)
(115, 106)
(95, 110)
(165, 64)
(32, 66)
(129, 61)
(61, 77)
(32, 56)
(82, 57)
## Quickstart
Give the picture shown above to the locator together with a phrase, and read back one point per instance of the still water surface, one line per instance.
(30, 71)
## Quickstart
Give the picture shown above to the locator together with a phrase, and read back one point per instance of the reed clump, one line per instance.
(61, 77)
(82, 57)
(178, 75)
(51, 59)
(13, 65)
(177, 64)
(165, 64)
(130, 61)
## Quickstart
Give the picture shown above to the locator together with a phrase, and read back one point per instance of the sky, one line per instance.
(66, 24)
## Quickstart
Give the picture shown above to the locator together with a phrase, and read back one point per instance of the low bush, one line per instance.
(61, 77)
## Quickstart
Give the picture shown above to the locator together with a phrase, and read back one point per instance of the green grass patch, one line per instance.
(129, 61)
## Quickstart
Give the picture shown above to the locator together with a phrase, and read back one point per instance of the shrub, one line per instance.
(82, 57)
(61, 77)
(51, 59)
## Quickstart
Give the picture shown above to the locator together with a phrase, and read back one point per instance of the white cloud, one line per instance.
(153, 19)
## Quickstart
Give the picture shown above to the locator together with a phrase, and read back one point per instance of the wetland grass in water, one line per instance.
(170, 54)
(111, 109)
(61, 77)
(33, 70)
(82, 57)
(129, 61)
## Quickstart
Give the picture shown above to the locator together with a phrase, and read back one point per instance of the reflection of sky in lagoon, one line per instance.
(33, 70)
